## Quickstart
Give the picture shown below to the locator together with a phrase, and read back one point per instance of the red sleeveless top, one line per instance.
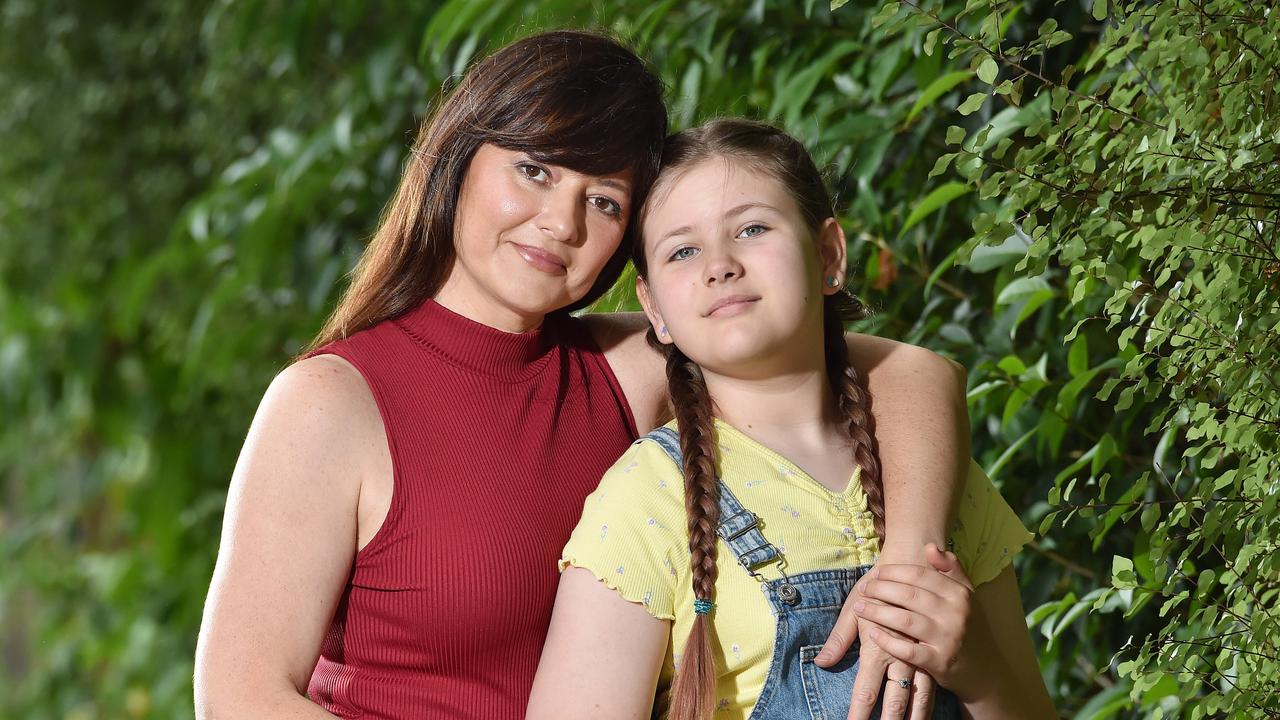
(496, 439)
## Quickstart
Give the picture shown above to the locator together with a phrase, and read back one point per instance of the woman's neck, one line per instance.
(486, 311)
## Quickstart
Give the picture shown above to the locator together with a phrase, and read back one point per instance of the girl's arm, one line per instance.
(602, 656)
(288, 538)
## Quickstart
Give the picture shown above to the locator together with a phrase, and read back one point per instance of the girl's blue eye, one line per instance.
(606, 205)
(751, 231)
(683, 253)
(532, 172)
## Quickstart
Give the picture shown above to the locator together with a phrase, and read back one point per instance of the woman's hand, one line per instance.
(901, 702)
(930, 611)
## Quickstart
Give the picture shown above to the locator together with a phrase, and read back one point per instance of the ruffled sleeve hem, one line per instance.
(644, 598)
(994, 563)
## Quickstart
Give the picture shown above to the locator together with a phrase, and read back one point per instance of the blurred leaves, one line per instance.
(1073, 199)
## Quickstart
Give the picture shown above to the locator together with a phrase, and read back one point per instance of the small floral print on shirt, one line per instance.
(604, 531)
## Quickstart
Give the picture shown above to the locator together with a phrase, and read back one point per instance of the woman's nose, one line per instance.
(560, 217)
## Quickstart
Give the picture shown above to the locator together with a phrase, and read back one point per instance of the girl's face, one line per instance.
(735, 276)
(530, 237)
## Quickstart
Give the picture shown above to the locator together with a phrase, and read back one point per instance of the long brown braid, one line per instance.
(774, 152)
(694, 686)
(852, 398)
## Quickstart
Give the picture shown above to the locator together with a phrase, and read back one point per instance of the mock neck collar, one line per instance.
(474, 345)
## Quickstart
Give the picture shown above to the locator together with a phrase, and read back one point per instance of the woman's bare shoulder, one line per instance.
(891, 363)
(638, 367)
(320, 410)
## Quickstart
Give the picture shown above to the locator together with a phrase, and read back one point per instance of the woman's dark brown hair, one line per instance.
(771, 151)
(572, 98)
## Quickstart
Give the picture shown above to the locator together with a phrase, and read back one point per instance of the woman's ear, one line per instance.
(832, 248)
(651, 311)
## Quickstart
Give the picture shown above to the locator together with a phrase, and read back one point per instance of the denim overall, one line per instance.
(806, 607)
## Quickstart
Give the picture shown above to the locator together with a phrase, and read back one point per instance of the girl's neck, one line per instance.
(787, 409)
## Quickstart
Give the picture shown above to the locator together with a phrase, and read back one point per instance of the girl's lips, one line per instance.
(540, 259)
(731, 305)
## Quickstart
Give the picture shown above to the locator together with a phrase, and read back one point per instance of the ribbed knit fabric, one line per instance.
(496, 439)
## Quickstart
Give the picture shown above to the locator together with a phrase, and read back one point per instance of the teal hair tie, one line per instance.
(702, 607)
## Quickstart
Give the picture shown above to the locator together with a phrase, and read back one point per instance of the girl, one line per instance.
(392, 526)
(762, 498)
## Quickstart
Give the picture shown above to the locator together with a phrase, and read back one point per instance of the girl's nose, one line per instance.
(721, 266)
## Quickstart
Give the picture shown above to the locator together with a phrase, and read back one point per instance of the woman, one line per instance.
(768, 462)
(394, 519)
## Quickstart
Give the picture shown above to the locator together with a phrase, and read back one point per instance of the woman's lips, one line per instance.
(540, 259)
(731, 305)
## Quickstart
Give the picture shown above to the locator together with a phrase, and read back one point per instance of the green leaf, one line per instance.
(1023, 289)
(937, 89)
(988, 70)
(1099, 10)
(936, 199)
(989, 257)
(972, 103)
(1078, 356)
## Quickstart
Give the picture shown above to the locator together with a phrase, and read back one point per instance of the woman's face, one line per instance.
(530, 237)
(734, 273)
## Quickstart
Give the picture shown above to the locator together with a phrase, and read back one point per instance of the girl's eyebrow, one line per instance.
(731, 212)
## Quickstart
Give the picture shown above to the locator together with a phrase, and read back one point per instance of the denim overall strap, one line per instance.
(739, 527)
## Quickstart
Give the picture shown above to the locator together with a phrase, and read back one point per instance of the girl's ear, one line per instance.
(651, 311)
(831, 246)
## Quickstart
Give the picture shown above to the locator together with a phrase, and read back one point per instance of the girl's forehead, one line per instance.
(703, 191)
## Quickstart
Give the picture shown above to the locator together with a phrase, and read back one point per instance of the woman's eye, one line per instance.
(532, 172)
(683, 253)
(606, 205)
(751, 231)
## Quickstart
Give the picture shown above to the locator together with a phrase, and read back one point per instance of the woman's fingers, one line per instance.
(922, 696)
(906, 595)
(905, 650)
(872, 662)
(946, 563)
(925, 578)
(841, 637)
(899, 679)
(914, 625)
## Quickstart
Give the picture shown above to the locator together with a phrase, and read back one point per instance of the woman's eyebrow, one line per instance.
(618, 185)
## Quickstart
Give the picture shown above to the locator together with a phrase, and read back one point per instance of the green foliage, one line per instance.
(183, 188)
(1136, 210)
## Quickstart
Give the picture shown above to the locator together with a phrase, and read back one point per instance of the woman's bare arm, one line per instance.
(922, 428)
(292, 526)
